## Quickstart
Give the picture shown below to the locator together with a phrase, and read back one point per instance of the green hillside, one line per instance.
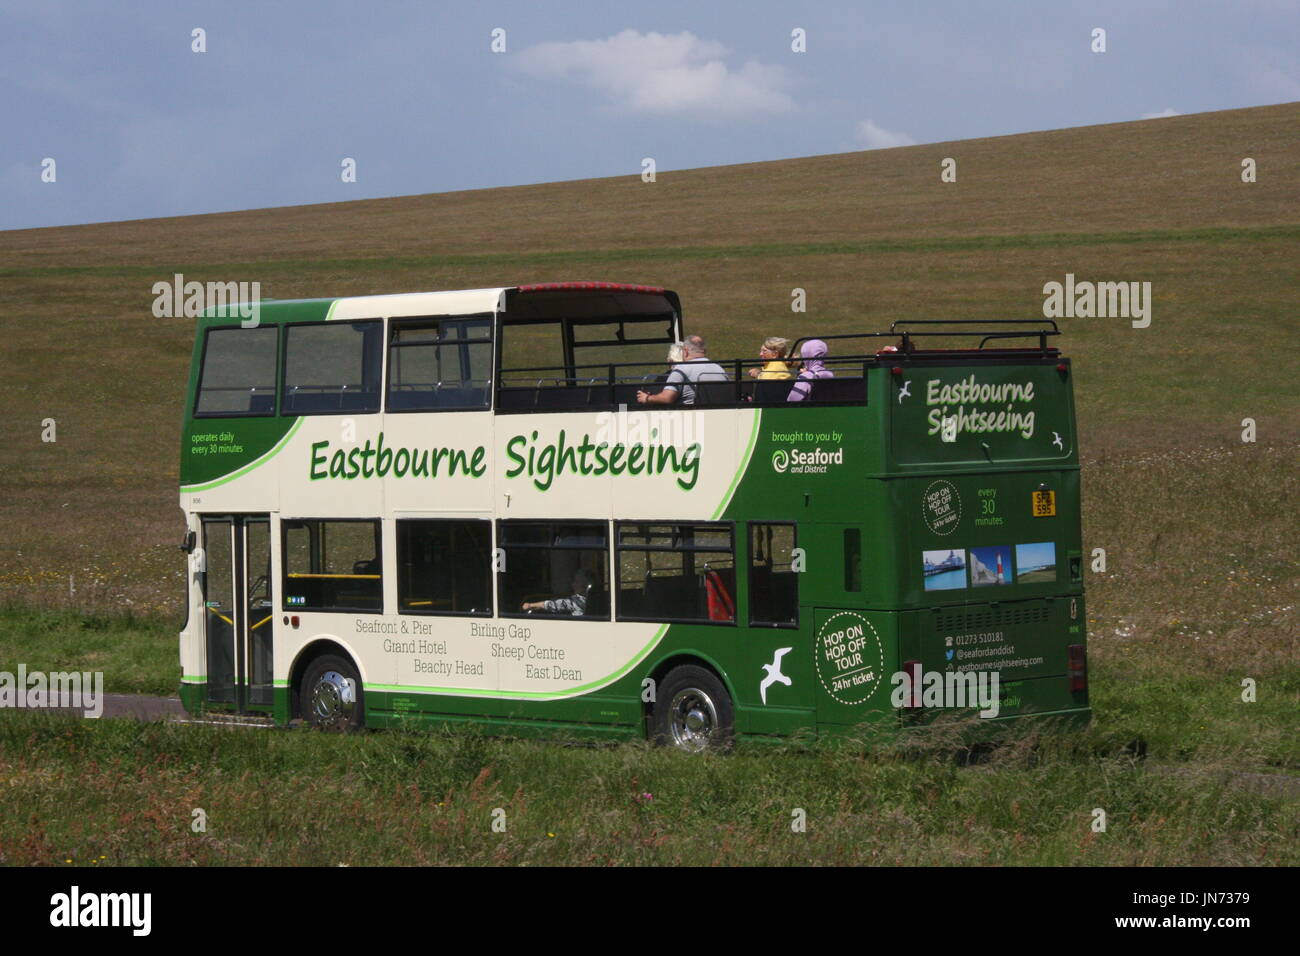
(871, 237)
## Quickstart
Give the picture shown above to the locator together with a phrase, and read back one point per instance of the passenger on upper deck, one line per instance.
(676, 355)
(773, 355)
(681, 382)
(811, 354)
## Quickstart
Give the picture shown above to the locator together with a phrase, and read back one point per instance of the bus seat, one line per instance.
(771, 391)
(838, 390)
(715, 393)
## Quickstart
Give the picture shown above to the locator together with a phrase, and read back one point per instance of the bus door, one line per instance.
(238, 618)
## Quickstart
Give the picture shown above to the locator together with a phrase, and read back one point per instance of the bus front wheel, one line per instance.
(692, 711)
(330, 696)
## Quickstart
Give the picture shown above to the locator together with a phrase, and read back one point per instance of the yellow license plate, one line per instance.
(1044, 504)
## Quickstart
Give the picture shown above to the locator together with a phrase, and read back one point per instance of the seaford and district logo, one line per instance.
(799, 459)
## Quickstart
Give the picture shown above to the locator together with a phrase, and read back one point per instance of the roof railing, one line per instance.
(618, 382)
(1041, 330)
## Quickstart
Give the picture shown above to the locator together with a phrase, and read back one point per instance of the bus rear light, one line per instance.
(1063, 368)
(897, 370)
(1078, 668)
(913, 671)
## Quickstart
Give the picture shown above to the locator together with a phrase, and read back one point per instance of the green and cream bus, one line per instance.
(449, 507)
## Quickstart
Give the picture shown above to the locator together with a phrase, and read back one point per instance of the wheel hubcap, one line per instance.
(693, 719)
(333, 699)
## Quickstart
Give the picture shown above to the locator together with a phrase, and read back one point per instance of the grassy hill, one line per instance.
(1199, 529)
(872, 237)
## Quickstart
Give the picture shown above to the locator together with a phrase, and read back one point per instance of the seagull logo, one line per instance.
(905, 391)
(774, 675)
(1056, 440)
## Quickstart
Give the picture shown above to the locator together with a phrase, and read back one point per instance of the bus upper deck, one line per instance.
(541, 347)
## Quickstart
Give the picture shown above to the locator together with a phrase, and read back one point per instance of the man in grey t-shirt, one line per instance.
(683, 377)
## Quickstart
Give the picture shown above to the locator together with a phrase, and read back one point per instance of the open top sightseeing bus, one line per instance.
(449, 507)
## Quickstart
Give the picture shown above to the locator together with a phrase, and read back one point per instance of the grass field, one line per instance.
(122, 793)
(1200, 589)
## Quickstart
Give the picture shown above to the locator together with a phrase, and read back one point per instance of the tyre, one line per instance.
(692, 711)
(330, 696)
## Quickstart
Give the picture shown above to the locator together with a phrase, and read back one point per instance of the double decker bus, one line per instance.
(450, 507)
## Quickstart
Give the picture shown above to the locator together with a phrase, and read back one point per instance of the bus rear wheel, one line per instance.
(692, 711)
(330, 695)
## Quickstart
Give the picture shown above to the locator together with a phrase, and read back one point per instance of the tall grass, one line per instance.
(137, 655)
(124, 793)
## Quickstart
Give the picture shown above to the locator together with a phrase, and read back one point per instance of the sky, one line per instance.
(139, 124)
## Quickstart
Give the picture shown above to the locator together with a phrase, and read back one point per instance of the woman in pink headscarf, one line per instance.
(811, 354)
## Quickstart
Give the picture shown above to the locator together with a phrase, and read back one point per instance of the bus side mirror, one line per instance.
(187, 545)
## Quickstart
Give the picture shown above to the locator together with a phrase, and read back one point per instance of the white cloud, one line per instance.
(871, 136)
(658, 73)
(1163, 114)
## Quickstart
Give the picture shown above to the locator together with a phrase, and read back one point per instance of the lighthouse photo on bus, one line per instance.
(990, 565)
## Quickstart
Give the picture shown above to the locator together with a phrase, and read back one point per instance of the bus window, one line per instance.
(773, 581)
(554, 568)
(852, 560)
(567, 362)
(333, 565)
(533, 352)
(331, 368)
(439, 363)
(676, 572)
(238, 376)
(625, 341)
(444, 567)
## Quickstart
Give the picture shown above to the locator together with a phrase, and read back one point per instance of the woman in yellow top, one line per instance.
(773, 355)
